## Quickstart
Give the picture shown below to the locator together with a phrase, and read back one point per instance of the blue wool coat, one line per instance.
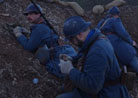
(40, 35)
(100, 65)
(120, 39)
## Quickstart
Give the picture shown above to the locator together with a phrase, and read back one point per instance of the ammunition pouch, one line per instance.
(42, 54)
(129, 79)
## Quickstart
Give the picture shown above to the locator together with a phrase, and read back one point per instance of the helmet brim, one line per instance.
(84, 27)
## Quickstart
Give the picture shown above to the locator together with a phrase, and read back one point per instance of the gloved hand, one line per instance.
(43, 54)
(65, 57)
(65, 66)
(25, 31)
(17, 31)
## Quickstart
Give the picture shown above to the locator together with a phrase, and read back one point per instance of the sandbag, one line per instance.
(131, 78)
(98, 9)
(114, 3)
(63, 3)
(79, 10)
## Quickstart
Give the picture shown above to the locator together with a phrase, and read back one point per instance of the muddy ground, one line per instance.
(18, 67)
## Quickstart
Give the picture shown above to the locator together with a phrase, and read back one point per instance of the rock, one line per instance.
(35, 80)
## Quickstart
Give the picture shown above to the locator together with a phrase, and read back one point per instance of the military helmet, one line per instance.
(31, 8)
(74, 25)
(114, 11)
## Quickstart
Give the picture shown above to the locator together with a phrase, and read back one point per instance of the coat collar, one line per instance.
(33, 26)
(90, 38)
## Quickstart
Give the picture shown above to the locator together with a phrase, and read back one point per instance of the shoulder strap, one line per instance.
(84, 57)
(104, 23)
(88, 48)
(98, 37)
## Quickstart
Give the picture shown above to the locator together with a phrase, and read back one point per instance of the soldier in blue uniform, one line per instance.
(120, 39)
(99, 73)
(42, 35)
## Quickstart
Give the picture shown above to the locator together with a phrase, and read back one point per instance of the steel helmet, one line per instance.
(114, 11)
(31, 8)
(74, 25)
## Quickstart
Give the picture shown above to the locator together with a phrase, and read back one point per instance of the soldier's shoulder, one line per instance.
(114, 19)
(42, 26)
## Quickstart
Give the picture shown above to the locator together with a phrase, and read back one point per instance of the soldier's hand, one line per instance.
(25, 31)
(17, 31)
(65, 66)
(65, 57)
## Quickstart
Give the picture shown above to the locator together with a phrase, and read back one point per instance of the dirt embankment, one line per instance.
(18, 67)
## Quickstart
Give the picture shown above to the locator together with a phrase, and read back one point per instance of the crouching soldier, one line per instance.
(120, 39)
(40, 36)
(98, 76)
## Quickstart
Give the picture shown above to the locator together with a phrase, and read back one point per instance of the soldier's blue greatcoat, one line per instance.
(100, 65)
(119, 38)
(40, 35)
